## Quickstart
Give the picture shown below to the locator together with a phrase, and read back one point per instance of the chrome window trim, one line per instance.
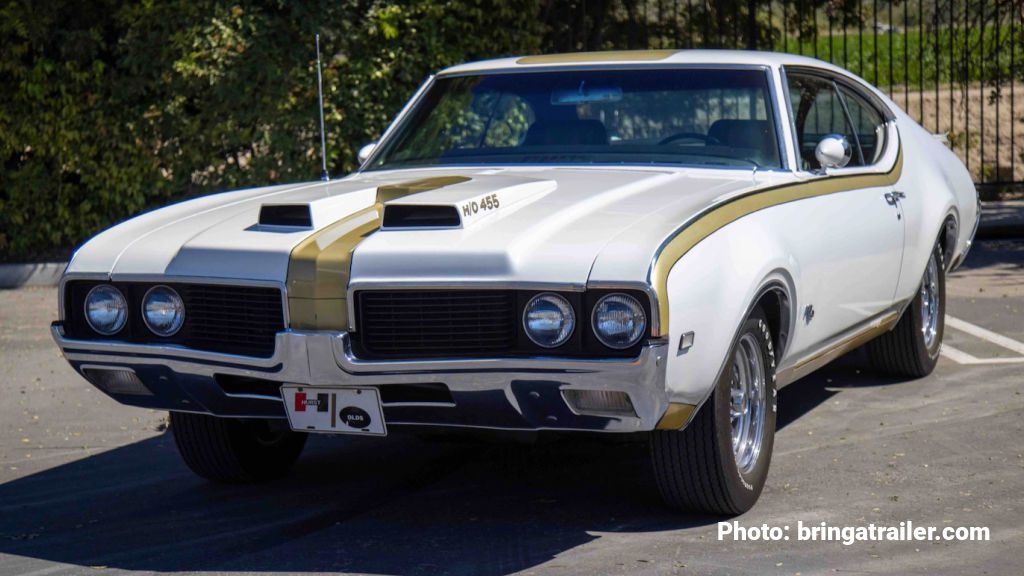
(872, 99)
(794, 139)
(785, 166)
(617, 66)
(773, 97)
(399, 118)
(854, 84)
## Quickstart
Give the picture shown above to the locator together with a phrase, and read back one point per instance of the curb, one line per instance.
(36, 274)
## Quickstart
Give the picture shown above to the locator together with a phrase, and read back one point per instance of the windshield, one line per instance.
(707, 117)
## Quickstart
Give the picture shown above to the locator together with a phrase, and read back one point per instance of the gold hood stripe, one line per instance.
(716, 218)
(320, 266)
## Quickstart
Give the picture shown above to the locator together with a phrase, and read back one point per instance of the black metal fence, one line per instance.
(951, 64)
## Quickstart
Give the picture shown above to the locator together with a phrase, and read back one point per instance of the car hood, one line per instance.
(562, 226)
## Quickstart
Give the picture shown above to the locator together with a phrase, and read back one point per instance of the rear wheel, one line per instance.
(912, 347)
(235, 451)
(718, 464)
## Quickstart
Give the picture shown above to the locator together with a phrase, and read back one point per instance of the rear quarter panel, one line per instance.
(937, 187)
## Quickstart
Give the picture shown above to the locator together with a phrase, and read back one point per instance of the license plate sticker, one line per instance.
(334, 410)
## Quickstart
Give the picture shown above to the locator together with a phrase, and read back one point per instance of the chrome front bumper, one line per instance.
(499, 393)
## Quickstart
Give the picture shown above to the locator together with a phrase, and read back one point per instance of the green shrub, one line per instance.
(110, 108)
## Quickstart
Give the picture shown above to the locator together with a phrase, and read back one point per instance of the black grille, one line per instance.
(232, 319)
(437, 323)
(240, 320)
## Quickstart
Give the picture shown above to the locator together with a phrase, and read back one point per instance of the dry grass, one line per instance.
(975, 127)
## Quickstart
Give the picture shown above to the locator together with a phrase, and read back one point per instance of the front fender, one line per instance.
(711, 290)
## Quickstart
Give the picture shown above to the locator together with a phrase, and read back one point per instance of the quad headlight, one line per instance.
(619, 321)
(106, 309)
(549, 320)
(163, 310)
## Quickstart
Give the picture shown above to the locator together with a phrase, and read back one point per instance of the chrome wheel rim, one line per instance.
(930, 302)
(747, 402)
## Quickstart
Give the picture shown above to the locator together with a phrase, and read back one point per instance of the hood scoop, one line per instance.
(290, 215)
(420, 216)
(462, 204)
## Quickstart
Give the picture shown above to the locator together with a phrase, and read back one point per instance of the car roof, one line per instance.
(646, 58)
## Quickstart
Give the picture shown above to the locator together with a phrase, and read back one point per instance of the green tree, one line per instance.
(109, 107)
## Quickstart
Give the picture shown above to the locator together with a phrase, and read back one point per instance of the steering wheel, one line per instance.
(687, 136)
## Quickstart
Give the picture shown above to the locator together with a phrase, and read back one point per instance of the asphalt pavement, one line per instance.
(88, 486)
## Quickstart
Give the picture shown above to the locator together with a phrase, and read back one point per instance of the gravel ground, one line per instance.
(89, 486)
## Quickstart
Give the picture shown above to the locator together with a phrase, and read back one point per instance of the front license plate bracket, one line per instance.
(334, 410)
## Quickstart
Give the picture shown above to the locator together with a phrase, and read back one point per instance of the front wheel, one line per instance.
(912, 347)
(235, 451)
(718, 464)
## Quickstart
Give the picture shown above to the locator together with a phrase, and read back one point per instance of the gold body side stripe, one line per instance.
(717, 218)
(320, 266)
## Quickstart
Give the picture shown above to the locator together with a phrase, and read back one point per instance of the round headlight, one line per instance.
(163, 310)
(619, 321)
(549, 320)
(105, 309)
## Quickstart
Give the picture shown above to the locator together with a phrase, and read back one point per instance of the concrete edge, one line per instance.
(1003, 219)
(35, 274)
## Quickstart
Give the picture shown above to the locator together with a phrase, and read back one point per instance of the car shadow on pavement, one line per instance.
(849, 371)
(402, 507)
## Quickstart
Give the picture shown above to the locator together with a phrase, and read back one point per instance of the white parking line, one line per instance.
(961, 357)
(997, 339)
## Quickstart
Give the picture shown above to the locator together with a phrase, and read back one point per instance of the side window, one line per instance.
(817, 111)
(868, 124)
(820, 107)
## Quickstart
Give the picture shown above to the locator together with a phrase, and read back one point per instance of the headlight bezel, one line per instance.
(179, 320)
(631, 301)
(120, 324)
(565, 305)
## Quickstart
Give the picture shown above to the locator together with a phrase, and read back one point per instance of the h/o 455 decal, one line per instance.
(489, 202)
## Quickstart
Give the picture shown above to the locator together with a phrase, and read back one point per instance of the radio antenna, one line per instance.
(320, 96)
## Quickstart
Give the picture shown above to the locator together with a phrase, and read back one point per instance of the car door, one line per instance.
(851, 243)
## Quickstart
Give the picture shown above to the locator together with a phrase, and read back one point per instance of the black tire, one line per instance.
(904, 351)
(235, 451)
(695, 468)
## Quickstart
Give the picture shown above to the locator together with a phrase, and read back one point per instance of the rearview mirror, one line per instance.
(365, 151)
(833, 151)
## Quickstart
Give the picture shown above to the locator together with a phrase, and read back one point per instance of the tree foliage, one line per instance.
(110, 108)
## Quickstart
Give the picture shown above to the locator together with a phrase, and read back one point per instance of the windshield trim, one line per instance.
(416, 100)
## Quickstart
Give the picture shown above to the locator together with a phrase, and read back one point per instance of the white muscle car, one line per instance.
(614, 242)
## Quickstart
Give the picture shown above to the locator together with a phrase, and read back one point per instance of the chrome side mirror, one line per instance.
(833, 151)
(365, 151)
